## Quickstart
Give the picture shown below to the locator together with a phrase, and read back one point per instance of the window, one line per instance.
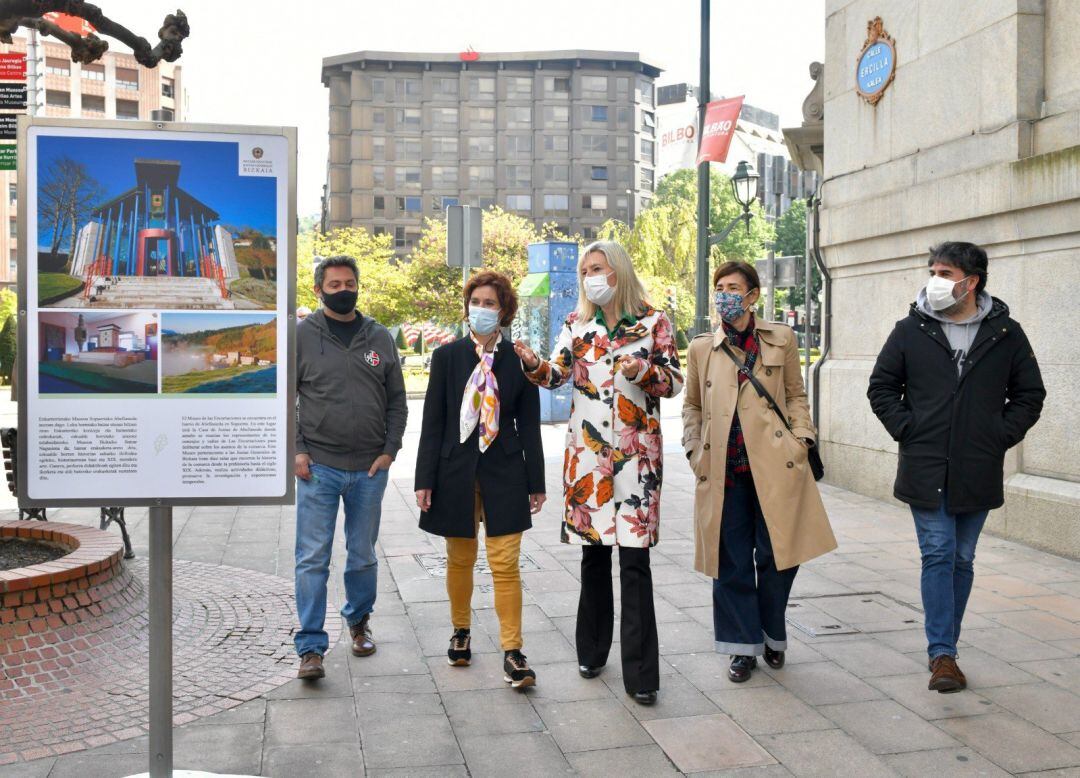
(13, 263)
(379, 205)
(519, 202)
(406, 176)
(556, 116)
(623, 176)
(559, 174)
(557, 204)
(93, 104)
(409, 205)
(127, 109)
(622, 87)
(378, 149)
(13, 193)
(481, 88)
(598, 173)
(378, 176)
(596, 114)
(648, 123)
(597, 204)
(624, 118)
(57, 66)
(556, 143)
(556, 86)
(378, 119)
(444, 176)
(166, 87)
(482, 118)
(648, 148)
(13, 228)
(622, 147)
(448, 201)
(407, 149)
(646, 179)
(444, 87)
(588, 233)
(519, 145)
(481, 175)
(58, 98)
(646, 90)
(379, 229)
(407, 90)
(594, 86)
(399, 237)
(127, 78)
(444, 148)
(378, 89)
(481, 147)
(518, 175)
(593, 144)
(407, 119)
(94, 72)
(485, 202)
(518, 117)
(519, 88)
(444, 118)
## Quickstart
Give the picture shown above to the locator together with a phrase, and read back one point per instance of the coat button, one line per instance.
(779, 434)
(701, 478)
(768, 371)
(706, 446)
(708, 384)
(790, 465)
(607, 424)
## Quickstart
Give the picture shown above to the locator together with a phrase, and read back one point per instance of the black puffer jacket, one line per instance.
(954, 430)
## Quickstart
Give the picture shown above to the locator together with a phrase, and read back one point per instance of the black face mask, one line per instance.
(341, 303)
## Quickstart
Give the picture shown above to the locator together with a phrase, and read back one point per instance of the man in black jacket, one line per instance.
(956, 384)
(350, 420)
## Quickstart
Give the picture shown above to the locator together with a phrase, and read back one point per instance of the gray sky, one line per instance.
(244, 65)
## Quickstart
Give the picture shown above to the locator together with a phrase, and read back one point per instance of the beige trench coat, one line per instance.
(798, 525)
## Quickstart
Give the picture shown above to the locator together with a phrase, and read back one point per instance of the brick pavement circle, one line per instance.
(83, 685)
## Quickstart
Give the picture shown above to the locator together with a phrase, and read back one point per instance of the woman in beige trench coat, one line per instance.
(757, 509)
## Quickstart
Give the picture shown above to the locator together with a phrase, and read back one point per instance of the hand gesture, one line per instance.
(423, 499)
(526, 355)
(629, 366)
(382, 462)
(302, 467)
(536, 502)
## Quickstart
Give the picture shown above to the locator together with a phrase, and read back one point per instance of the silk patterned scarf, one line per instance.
(480, 405)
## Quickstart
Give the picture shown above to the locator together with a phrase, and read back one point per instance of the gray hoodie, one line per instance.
(961, 334)
(350, 401)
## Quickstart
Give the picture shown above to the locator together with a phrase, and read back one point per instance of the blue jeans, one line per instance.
(316, 516)
(947, 542)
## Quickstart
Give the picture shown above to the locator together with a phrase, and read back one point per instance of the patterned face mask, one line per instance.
(730, 306)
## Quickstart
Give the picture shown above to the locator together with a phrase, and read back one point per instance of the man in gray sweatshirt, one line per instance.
(350, 420)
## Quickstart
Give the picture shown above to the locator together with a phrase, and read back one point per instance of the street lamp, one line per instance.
(744, 187)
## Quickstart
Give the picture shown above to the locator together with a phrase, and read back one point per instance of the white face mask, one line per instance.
(939, 292)
(597, 289)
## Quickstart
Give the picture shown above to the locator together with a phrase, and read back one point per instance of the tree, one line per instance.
(67, 193)
(8, 344)
(791, 241)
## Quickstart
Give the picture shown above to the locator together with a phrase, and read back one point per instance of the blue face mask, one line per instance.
(730, 306)
(483, 321)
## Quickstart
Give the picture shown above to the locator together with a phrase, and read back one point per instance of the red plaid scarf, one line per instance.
(738, 462)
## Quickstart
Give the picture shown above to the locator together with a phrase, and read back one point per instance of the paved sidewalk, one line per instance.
(852, 701)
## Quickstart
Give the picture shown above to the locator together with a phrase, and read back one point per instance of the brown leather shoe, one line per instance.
(945, 676)
(362, 644)
(311, 667)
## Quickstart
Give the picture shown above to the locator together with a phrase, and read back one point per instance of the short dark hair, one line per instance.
(504, 290)
(744, 269)
(341, 260)
(966, 257)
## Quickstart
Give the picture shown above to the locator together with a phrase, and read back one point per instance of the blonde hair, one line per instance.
(630, 295)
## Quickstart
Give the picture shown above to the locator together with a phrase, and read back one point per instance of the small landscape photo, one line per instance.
(113, 352)
(218, 353)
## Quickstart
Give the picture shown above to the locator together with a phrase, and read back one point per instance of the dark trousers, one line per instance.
(596, 615)
(748, 610)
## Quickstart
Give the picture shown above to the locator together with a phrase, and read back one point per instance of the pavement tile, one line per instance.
(768, 710)
(886, 727)
(868, 658)
(676, 697)
(823, 683)
(310, 721)
(631, 760)
(824, 754)
(591, 724)
(1036, 622)
(1043, 704)
(525, 754)
(90, 764)
(951, 762)
(399, 705)
(1011, 645)
(493, 717)
(485, 672)
(1012, 743)
(1010, 586)
(1063, 672)
(1061, 605)
(560, 682)
(911, 692)
(229, 748)
(708, 671)
(422, 741)
(684, 637)
(700, 743)
(436, 771)
(308, 761)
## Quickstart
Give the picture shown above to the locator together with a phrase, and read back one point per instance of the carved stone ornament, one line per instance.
(875, 67)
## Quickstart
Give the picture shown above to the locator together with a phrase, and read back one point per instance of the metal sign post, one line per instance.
(161, 648)
(464, 238)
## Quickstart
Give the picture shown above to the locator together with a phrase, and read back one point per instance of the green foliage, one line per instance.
(56, 286)
(9, 301)
(418, 345)
(400, 341)
(383, 294)
(791, 241)
(8, 344)
(681, 341)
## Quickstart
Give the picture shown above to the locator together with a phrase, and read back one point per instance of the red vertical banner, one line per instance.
(721, 116)
(13, 67)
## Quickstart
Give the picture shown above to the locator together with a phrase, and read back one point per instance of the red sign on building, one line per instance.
(74, 24)
(721, 117)
(13, 67)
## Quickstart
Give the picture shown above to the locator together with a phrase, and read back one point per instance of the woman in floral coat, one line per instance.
(620, 353)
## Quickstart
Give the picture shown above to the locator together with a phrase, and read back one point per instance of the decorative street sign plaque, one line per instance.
(876, 64)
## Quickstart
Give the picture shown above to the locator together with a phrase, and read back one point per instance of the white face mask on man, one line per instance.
(597, 289)
(939, 292)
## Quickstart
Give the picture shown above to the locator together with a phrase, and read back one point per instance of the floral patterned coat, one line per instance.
(613, 466)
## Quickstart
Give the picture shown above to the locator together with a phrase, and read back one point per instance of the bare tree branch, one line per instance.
(28, 13)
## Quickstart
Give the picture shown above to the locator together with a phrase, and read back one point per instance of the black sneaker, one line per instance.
(516, 670)
(460, 651)
(741, 667)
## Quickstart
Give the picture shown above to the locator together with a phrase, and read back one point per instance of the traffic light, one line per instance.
(669, 295)
(9, 437)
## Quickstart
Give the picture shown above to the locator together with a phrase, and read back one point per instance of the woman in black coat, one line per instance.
(480, 460)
